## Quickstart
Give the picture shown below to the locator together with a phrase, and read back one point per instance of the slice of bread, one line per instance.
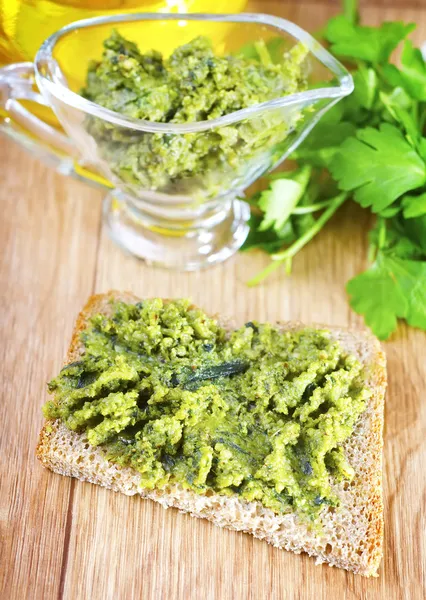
(351, 536)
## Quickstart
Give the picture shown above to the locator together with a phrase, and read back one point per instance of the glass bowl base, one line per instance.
(188, 247)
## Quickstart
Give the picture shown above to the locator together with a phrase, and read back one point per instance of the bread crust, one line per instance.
(352, 535)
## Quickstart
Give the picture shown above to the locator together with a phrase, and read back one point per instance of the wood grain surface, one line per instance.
(61, 538)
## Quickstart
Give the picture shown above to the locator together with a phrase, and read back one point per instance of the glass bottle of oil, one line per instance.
(24, 24)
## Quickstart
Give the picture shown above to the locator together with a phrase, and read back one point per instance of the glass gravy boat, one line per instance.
(176, 222)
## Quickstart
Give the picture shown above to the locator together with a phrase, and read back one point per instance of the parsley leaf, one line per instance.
(269, 241)
(393, 237)
(366, 82)
(401, 108)
(372, 44)
(411, 75)
(391, 288)
(324, 141)
(414, 206)
(379, 165)
(374, 295)
(283, 194)
(422, 148)
(416, 230)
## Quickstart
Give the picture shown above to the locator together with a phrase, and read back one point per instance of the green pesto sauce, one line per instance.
(193, 84)
(258, 413)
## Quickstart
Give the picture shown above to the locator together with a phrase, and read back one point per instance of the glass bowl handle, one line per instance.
(49, 144)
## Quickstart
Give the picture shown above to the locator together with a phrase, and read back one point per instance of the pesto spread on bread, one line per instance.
(193, 84)
(258, 412)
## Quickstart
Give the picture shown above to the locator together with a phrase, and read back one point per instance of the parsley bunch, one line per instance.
(370, 147)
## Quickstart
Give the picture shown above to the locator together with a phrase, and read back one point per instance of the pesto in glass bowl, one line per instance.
(193, 84)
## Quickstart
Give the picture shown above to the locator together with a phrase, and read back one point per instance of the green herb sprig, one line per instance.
(371, 147)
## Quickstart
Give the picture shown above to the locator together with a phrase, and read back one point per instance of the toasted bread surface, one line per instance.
(350, 537)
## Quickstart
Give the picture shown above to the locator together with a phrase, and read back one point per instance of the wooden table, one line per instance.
(62, 538)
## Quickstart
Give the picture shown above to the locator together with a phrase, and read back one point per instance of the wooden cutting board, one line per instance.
(61, 538)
